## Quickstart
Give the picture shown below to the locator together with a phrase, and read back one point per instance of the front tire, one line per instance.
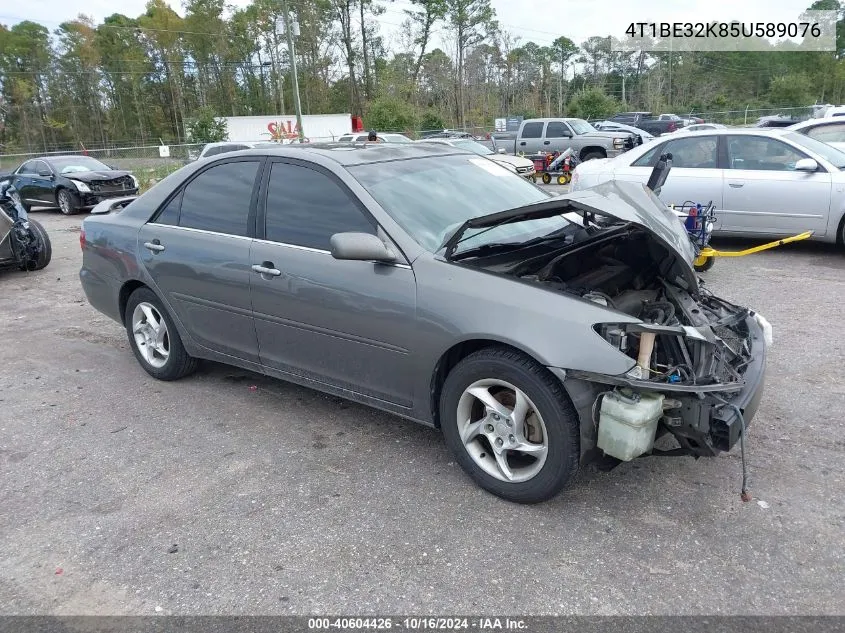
(510, 425)
(154, 338)
(45, 248)
(592, 156)
(68, 202)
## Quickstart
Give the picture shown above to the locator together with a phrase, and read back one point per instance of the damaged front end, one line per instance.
(23, 243)
(696, 363)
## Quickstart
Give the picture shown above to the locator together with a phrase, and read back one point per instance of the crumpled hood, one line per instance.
(625, 201)
(93, 176)
(636, 203)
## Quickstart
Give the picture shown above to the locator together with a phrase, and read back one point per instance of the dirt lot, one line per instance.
(282, 500)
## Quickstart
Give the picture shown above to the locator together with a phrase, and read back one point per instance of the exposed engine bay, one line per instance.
(690, 349)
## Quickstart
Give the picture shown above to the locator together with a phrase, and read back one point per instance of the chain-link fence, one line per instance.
(149, 163)
(750, 116)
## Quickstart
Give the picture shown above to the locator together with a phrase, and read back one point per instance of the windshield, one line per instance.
(73, 164)
(472, 146)
(581, 126)
(828, 152)
(431, 197)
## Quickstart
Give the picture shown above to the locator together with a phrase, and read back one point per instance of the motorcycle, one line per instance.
(24, 244)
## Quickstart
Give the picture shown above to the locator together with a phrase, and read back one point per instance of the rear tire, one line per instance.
(548, 420)
(68, 201)
(546, 179)
(160, 353)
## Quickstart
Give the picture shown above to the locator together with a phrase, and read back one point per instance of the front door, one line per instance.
(344, 323)
(197, 251)
(764, 194)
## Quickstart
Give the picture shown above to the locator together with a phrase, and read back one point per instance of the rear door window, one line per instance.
(532, 130)
(698, 152)
(219, 199)
(828, 133)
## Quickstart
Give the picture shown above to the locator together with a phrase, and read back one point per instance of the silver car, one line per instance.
(830, 131)
(763, 182)
(433, 284)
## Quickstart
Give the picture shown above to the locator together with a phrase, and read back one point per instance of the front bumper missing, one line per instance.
(704, 424)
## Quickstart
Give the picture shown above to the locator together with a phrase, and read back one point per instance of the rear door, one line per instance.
(343, 323)
(530, 139)
(197, 252)
(764, 194)
(24, 181)
(695, 175)
(43, 187)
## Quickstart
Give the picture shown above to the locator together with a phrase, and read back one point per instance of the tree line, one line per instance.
(139, 79)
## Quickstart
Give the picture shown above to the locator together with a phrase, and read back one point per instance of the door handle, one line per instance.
(546, 142)
(522, 142)
(267, 269)
(155, 246)
(736, 185)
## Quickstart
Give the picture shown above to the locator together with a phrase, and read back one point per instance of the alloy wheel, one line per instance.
(151, 336)
(64, 202)
(502, 430)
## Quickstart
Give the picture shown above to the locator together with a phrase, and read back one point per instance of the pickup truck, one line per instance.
(558, 135)
(647, 121)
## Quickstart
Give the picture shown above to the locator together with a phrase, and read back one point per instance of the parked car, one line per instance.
(558, 135)
(430, 283)
(646, 121)
(222, 147)
(697, 127)
(70, 183)
(680, 120)
(522, 166)
(828, 130)
(762, 182)
(775, 121)
(384, 138)
(615, 126)
(448, 134)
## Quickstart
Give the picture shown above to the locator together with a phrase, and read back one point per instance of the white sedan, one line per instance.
(763, 182)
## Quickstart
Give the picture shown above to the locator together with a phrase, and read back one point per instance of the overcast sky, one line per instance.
(538, 20)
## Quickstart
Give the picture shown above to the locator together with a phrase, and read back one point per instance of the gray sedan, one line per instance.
(538, 332)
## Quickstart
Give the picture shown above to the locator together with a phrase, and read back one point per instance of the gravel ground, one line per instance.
(232, 493)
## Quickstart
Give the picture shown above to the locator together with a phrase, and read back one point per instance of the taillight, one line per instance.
(82, 239)
(672, 127)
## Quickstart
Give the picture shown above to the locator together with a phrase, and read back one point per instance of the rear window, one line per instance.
(532, 130)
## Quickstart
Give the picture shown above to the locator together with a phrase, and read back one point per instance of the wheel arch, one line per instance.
(590, 149)
(454, 355)
(126, 291)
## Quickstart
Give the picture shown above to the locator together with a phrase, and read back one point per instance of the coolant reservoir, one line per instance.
(628, 423)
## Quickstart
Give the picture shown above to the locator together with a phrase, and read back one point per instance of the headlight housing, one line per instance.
(619, 143)
(135, 182)
(81, 186)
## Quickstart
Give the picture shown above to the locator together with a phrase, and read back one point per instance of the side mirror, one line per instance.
(45, 173)
(806, 164)
(360, 247)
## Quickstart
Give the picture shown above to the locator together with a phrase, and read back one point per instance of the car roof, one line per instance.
(814, 122)
(348, 154)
